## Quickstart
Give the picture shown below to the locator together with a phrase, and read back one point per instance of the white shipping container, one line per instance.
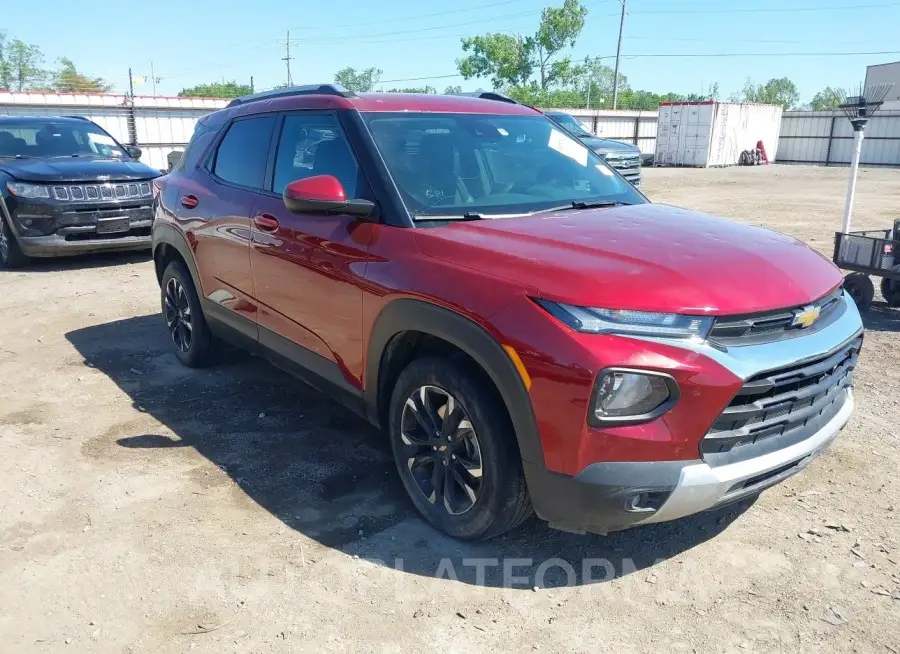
(714, 133)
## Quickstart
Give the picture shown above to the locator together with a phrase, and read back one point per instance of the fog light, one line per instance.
(628, 396)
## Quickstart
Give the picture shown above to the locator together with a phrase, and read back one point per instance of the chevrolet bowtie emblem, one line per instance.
(806, 316)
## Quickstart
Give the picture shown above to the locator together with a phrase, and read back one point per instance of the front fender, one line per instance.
(406, 314)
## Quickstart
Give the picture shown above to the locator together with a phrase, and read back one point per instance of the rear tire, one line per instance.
(860, 287)
(11, 255)
(184, 319)
(456, 451)
(890, 289)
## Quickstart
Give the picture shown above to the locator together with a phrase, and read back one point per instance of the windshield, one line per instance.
(454, 164)
(56, 139)
(572, 124)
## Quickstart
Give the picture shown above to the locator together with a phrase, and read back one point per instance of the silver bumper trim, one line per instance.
(745, 361)
(702, 487)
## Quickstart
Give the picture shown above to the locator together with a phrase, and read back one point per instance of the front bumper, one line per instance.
(54, 228)
(56, 245)
(608, 496)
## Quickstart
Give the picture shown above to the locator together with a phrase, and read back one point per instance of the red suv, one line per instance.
(525, 326)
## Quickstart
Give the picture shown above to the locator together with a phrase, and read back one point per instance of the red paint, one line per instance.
(324, 188)
(648, 257)
(320, 280)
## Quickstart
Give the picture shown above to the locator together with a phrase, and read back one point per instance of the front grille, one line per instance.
(625, 163)
(769, 326)
(83, 192)
(779, 408)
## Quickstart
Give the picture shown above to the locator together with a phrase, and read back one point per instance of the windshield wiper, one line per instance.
(581, 204)
(15, 156)
(469, 215)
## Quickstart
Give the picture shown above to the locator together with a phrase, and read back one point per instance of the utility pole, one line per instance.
(153, 78)
(252, 88)
(287, 58)
(131, 119)
(618, 51)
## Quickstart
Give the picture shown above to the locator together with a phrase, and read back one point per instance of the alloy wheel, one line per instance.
(441, 449)
(178, 315)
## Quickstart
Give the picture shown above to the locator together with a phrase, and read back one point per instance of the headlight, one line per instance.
(629, 323)
(22, 190)
(631, 396)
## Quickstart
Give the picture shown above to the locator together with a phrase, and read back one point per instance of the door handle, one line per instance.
(266, 222)
(189, 201)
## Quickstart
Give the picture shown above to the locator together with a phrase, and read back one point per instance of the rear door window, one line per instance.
(243, 153)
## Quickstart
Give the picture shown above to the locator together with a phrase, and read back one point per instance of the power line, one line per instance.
(765, 9)
(691, 54)
(415, 17)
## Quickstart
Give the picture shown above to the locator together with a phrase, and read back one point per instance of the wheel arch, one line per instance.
(406, 315)
(169, 244)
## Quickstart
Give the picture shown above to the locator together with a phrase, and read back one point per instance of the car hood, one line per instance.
(76, 169)
(606, 145)
(649, 257)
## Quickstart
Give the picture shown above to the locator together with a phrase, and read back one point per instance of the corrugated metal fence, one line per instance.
(157, 125)
(823, 137)
(160, 125)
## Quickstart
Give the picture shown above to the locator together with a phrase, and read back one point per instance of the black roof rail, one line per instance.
(309, 89)
(487, 95)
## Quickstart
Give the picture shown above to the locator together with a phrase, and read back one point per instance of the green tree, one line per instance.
(20, 65)
(826, 99)
(507, 60)
(216, 90)
(511, 61)
(68, 80)
(361, 81)
(560, 27)
(453, 89)
(779, 90)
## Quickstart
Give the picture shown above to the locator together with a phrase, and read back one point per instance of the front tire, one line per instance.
(11, 255)
(860, 287)
(455, 451)
(184, 319)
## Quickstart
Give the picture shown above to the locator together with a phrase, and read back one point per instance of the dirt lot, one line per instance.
(145, 507)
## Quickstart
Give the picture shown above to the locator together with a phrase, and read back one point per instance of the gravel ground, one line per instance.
(145, 507)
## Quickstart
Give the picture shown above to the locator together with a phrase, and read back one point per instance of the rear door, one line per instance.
(309, 270)
(215, 205)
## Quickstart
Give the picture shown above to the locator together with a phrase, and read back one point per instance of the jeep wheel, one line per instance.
(859, 286)
(184, 318)
(456, 452)
(11, 255)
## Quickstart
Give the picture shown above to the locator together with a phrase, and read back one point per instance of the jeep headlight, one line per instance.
(629, 323)
(31, 191)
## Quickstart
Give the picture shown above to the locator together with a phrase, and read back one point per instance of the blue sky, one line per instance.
(195, 41)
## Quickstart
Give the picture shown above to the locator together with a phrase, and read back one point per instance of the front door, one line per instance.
(308, 270)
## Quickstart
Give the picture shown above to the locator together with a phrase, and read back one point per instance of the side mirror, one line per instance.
(133, 151)
(323, 194)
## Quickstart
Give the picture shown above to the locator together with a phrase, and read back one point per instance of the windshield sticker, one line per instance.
(565, 145)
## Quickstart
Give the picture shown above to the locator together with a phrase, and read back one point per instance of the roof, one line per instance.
(39, 120)
(370, 102)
